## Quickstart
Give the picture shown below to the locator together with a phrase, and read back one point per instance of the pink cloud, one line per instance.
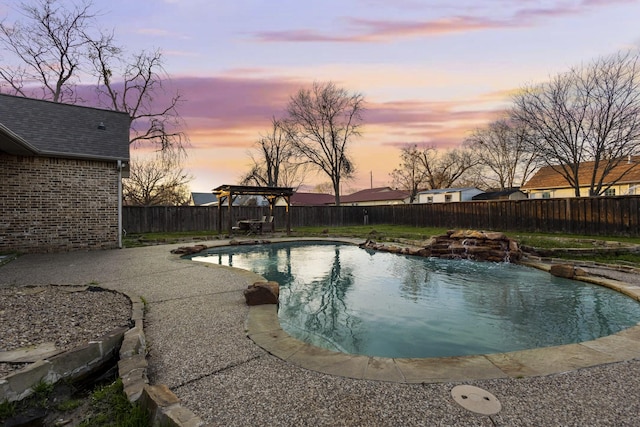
(606, 2)
(365, 30)
(233, 112)
(224, 116)
(421, 114)
(229, 100)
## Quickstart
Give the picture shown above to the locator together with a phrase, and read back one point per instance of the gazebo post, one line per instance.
(219, 196)
(272, 201)
(288, 200)
(230, 220)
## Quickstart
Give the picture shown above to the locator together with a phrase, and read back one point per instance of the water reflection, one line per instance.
(320, 306)
(348, 299)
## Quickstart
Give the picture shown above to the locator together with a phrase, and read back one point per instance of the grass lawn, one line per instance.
(382, 232)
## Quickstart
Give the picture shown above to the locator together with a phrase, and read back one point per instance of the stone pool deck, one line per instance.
(197, 329)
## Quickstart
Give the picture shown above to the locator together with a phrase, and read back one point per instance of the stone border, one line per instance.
(6, 258)
(70, 364)
(263, 327)
(74, 363)
(607, 247)
(163, 406)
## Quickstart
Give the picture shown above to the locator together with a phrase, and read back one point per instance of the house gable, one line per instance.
(203, 199)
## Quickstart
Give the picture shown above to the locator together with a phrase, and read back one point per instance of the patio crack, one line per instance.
(195, 296)
(217, 371)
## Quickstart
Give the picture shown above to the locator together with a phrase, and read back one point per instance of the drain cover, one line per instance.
(476, 400)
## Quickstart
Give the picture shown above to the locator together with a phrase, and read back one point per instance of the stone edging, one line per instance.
(69, 364)
(163, 406)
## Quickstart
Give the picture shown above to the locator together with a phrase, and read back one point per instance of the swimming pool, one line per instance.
(352, 300)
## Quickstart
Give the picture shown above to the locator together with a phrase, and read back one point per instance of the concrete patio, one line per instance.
(197, 329)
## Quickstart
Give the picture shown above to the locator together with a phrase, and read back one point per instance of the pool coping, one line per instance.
(263, 328)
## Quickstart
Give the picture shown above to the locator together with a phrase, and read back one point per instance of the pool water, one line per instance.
(348, 299)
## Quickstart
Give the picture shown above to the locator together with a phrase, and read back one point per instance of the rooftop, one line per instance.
(628, 171)
(33, 127)
(374, 194)
(448, 190)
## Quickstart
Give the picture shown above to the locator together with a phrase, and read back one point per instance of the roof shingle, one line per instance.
(374, 195)
(311, 199)
(37, 127)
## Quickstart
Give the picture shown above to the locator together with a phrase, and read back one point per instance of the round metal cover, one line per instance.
(476, 400)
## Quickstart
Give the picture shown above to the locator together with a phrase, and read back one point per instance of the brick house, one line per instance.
(61, 175)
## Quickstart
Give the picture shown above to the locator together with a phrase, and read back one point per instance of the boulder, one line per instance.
(189, 250)
(460, 244)
(262, 293)
(467, 234)
(495, 235)
(425, 252)
(563, 270)
(413, 251)
(579, 272)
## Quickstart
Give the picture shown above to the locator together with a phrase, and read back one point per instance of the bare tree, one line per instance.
(323, 188)
(274, 164)
(443, 170)
(156, 182)
(140, 86)
(325, 119)
(591, 113)
(501, 148)
(47, 50)
(410, 176)
(427, 168)
(59, 43)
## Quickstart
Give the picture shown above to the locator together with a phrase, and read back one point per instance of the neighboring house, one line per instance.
(508, 194)
(375, 197)
(60, 176)
(446, 195)
(250, 200)
(548, 183)
(203, 199)
(308, 199)
(210, 199)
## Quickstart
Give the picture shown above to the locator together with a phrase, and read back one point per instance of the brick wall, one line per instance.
(51, 204)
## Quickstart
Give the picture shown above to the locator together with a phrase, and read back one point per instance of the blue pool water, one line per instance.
(353, 300)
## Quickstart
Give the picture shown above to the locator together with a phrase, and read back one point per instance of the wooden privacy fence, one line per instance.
(606, 216)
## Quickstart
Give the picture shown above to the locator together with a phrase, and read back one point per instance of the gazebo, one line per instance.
(229, 192)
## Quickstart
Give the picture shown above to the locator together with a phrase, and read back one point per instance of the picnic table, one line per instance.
(251, 225)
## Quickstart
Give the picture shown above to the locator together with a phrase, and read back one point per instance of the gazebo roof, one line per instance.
(225, 190)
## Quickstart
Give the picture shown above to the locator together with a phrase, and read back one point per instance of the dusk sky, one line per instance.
(430, 71)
